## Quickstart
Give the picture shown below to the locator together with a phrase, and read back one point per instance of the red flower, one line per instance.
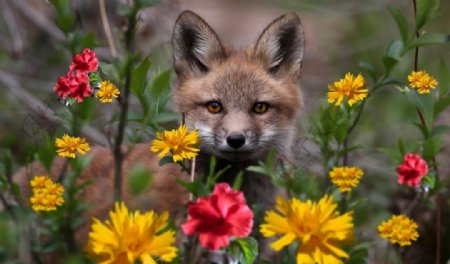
(216, 218)
(85, 62)
(412, 170)
(80, 87)
(62, 86)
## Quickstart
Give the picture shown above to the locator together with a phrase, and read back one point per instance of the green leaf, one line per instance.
(431, 148)
(429, 179)
(401, 21)
(165, 160)
(423, 102)
(238, 181)
(244, 249)
(161, 82)
(197, 188)
(140, 178)
(428, 39)
(369, 69)
(139, 77)
(46, 152)
(440, 105)
(7, 162)
(392, 55)
(86, 109)
(426, 11)
(438, 130)
(65, 17)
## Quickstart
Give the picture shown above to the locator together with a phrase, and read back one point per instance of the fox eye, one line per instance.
(214, 107)
(260, 107)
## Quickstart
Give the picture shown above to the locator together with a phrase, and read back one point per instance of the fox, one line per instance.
(242, 102)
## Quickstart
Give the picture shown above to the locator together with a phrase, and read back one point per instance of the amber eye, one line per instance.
(214, 107)
(260, 107)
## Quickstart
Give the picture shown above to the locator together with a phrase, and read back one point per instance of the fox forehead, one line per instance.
(237, 82)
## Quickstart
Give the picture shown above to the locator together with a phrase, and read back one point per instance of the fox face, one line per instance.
(243, 102)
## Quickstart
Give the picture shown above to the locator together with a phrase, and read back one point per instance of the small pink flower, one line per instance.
(80, 87)
(62, 86)
(412, 170)
(218, 217)
(85, 62)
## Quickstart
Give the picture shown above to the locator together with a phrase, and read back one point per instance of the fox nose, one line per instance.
(236, 140)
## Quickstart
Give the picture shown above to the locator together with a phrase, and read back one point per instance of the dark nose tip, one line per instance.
(236, 140)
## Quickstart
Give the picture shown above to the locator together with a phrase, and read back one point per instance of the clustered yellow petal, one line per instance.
(399, 229)
(47, 195)
(67, 146)
(131, 236)
(318, 226)
(181, 143)
(351, 87)
(346, 178)
(422, 81)
(107, 92)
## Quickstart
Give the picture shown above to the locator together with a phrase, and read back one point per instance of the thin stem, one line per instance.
(192, 177)
(124, 103)
(412, 204)
(435, 167)
(107, 28)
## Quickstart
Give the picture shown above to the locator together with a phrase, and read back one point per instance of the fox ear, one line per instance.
(280, 46)
(196, 46)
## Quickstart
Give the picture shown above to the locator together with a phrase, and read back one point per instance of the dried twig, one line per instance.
(107, 28)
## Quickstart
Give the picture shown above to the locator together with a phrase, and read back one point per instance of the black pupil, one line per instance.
(260, 107)
(214, 106)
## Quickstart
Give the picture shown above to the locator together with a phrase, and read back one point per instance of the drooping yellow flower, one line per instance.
(47, 195)
(131, 236)
(107, 92)
(67, 146)
(422, 81)
(351, 87)
(346, 178)
(399, 229)
(318, 226)
(181, 143)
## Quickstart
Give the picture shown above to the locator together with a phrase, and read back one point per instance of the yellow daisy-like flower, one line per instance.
(399, 229)
(107, 92)
(346, 178)
(317, 225)
(47, 195)
(131, 236)
(67, 146)
(351, 87)
(422, 81)
(181, 143)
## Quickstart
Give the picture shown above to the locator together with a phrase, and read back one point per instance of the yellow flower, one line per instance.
(131, 236)
(68, 146)
(345, 178)
(181, 143)
(399, 229)
(351, 87)
(317, 225)
(422, 81)
(107, 92)
(46, 194)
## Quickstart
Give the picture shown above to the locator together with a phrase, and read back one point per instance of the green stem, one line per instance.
(124, 104)
(433, 159)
